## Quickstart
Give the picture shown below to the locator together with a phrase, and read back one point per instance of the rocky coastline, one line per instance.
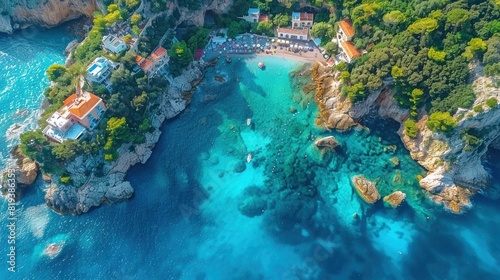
(455, 170)
(95, 181)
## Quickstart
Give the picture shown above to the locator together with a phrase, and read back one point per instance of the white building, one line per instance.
(253, 15)
(302, 20)
(99, 70)
(294, 34)
(348, 51)
(113, 44)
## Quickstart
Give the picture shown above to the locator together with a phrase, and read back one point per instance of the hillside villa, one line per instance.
(154, 63)
(113, 44)
(99, 71)
(348, 51)
(81, 111)
(302, 20)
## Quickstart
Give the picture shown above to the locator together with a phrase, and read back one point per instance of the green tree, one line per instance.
(441, 121)
(55, 71)
(396, 72)
(136, 30)
(140, 101)
(456, 17)
(135, 19)
(132, 4)
(416, 96)
(324, 31)
(435, 55)
(264, 27)
(199, 39)
(67, 150)
(331, 48)
(411, 128)
(356, 92)
(281, 20)
(127, 38)
(180, 57)
(394, 18)
(492, 102)
(112, 8)
(477, 45)
(423, 26)
(32, 142)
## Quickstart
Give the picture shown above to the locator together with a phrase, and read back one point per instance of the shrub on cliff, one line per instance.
(55, 71)
(180, 57)
(411, 128)
(441, 121)
(492, 102)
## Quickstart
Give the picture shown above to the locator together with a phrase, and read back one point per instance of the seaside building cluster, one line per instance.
(155, 63)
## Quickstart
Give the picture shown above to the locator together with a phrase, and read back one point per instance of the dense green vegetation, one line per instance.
(131, 101)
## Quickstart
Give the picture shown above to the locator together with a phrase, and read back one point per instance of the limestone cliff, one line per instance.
(455, 170)
(47, 13)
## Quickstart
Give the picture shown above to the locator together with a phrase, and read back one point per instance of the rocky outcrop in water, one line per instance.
(366, 189)
(46, 13)
(110, 186)
(395, 199)
(455, 169)
(25, 171)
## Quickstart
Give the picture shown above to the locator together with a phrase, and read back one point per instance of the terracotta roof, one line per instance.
(347, 28)
(70, 99)
(306, 16)
(350, 50)
(263, 17)
(292, 31)
(144, 63)
(84, 106)
(158, 52)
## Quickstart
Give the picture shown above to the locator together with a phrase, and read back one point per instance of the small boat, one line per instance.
(249, 157)
(53, 249)
(228, 59)
(262, 65)
(249, 121)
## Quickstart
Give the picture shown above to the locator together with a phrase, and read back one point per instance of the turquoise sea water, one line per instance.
(186, 219)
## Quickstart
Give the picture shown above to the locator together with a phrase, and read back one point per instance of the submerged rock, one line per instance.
(395, 199)
(220, 79)
(240, 167)
(328, 143)
(366, 189)
(395, 161)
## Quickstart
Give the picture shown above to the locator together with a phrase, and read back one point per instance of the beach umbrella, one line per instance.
(253, 45)
(258, 45)
(273, 40)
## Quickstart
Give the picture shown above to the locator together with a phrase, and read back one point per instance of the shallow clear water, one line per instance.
(184, 221)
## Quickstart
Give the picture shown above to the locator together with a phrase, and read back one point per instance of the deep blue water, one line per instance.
(184, 221)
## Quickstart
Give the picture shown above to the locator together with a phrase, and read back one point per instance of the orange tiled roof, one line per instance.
(346, 26)
(350, 50)
(293, 31)
(158, 52)
(306, 16)
(138, 59)
(70, 99)
(146, 65)
(82, 108)
(263, 17)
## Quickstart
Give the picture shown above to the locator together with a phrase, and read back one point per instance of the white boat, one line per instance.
(249, 121)
(249, 157)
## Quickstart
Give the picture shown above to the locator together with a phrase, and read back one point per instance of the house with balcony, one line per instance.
(302, 20)
(154, 63)
(113, 44)
(99, 71)
(81, 111)
(348, 51)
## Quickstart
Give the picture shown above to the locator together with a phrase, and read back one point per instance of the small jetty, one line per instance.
(262, 65)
